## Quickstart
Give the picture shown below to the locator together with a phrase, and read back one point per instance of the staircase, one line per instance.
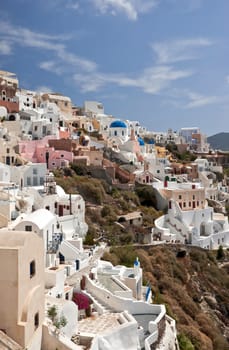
(71, 252)
(99, 305)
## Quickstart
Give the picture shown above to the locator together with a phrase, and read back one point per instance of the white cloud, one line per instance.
(85, 72)
(196, 100)
(151, 80)
(5, 48)
(54, 43)
(179, 50)
(131, 8)
(73, 5)
(51, 66)
(43, 89)
(187, 99)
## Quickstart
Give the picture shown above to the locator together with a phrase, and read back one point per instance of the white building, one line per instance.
(189, 219)
(114, 289)
(4, 173)
(118, 132)
(36, 124)
(31, 174)
(26, 99)
(92, 108)
(44, 224)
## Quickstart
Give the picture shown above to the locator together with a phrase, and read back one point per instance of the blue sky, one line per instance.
(161, 62)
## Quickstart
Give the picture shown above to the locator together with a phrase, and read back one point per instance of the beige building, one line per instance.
(22, 287)
(188, 196)
(63, 102)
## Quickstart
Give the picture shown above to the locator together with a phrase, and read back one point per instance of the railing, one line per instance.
(159, 227)
(118, 304)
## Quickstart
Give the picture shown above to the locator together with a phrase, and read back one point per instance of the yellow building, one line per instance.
(22, 287)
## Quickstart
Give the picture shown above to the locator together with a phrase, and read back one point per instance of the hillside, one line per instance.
(105, 204)
(194, 289)
(219, 141)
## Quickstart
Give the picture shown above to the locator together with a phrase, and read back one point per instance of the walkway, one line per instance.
(74, 280)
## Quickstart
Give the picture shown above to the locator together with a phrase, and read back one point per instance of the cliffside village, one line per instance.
(56, 294)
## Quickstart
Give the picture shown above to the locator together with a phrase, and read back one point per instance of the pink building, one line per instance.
(39, 151)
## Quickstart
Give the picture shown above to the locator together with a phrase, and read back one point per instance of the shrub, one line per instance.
(110, 257)
(146, 195)
(108, 210)
(57, 321)
(220, 253)
(126, 255)
(184, 342)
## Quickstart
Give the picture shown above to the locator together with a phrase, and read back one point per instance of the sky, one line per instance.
(164, 63)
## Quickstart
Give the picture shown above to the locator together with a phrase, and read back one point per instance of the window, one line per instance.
(78, 206)
(35, 128)
(180, 196)
(28, 228)
(32, 268)
(36, 320)
(34, 171)
(7, 150)
(193, 197)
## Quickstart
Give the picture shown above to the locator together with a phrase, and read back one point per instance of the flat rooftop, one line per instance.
(109, 283)
(143, 321)
(99, 323)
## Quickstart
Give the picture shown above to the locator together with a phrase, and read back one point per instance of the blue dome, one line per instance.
(118, 124)
(151, 142)
(136, 262)
(141, 142)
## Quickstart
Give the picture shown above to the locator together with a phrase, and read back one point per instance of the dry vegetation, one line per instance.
(104, 204)
(193, 288)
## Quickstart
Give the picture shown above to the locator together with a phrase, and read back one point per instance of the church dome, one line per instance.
(141, 142)
(118, 124)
